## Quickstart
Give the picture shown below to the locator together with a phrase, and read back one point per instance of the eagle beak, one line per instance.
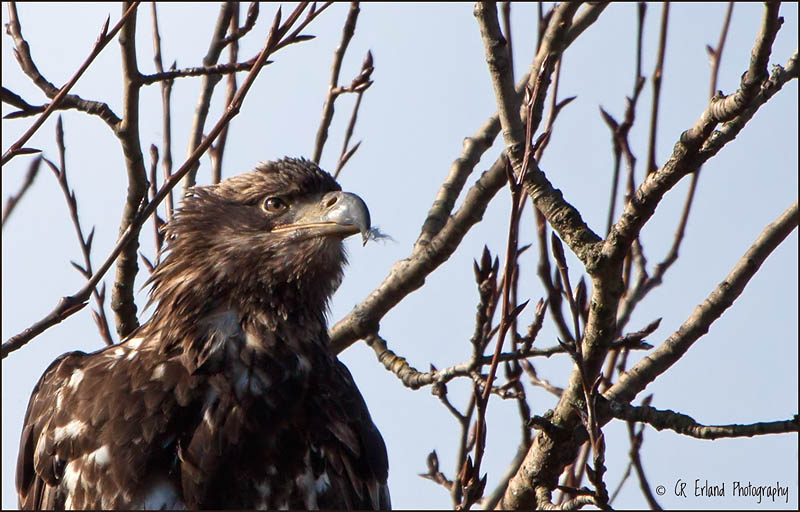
(336, 214)
(348, 211)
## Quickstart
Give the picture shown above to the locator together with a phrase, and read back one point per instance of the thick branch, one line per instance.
(562, 216)
(122, 301)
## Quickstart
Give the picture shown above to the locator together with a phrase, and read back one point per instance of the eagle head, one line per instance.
(267, 242)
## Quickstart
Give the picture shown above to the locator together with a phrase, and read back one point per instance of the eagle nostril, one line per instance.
(332, 201)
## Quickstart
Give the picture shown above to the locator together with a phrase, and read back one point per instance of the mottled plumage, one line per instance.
(228, 397)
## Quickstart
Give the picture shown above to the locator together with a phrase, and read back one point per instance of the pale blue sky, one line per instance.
(431, 90)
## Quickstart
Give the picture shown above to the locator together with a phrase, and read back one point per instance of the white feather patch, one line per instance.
(101, 456)
(72, 474)
(74, 428)
(158, 372)
(134, 343)
(75, 379)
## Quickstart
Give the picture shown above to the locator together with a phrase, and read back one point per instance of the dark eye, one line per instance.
(275, 205)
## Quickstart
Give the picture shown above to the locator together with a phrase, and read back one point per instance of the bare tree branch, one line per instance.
(122, 292)
(26, 63)
(657, 76)
(414, 379)
(216, 152)
(606, 270)
(85, 242)
(215, 47)
(697, 145)
(360, 84)
(166, 102)
(30, 175)
(348, 29)
(26, 109)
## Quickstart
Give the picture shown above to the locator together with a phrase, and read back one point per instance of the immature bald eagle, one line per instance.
(229, 397)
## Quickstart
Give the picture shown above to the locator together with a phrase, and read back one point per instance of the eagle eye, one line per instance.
(275, 205)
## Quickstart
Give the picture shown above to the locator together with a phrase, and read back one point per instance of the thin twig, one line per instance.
(209, 82)
(715, 54)
(237, 32)
(456, 492)
(360, 84)
(217, 151)
(637, 439)
(85, 242)
(672, 255)
(25, 108)
(158, 222)
(657, 76)
(348, 29)
(229, 68)
(30, 175)
(166, 115)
